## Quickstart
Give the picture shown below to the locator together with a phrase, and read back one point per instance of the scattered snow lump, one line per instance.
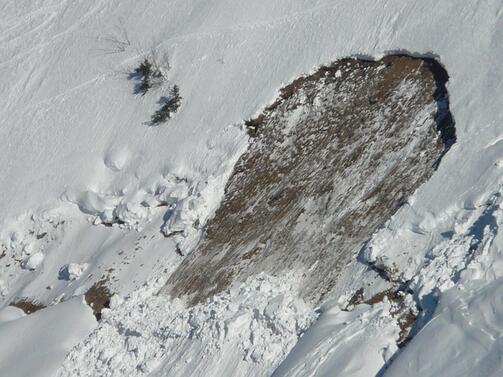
(187, 204)
(72, 271)
(116, 159)
(34, 261)
(4, 290)
(251, 326)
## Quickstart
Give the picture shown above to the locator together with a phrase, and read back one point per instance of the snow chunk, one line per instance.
(3, 288)
(116, 159)
(72, 271)
(34, 261)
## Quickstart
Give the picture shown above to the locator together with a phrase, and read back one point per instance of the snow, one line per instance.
(35, 345)
(34, 261)
(248, 328)
(72, 271)
(353, 343)
(462, 339)
(10, 313)
(75, 153)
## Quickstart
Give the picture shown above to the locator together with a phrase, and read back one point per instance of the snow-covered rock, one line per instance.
(35, 345)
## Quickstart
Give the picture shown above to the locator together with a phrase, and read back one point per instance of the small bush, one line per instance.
(117, 41)
(169, 106)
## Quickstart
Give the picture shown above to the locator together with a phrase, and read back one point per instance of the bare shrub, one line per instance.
(117, 41)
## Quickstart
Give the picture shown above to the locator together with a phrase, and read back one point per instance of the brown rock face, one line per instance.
(328, 163)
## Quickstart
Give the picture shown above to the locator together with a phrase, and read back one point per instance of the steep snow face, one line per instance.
(465, 330)
(330, 161)
(344, 343)
(457, 331)
(36, 345)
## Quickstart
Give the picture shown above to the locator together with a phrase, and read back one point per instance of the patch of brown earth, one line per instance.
(402, 310)
(328, 163)
(27, 306)
(98, 298)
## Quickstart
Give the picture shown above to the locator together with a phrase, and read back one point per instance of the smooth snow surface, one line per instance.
(36, 345)
(464, 337)
(341, 343)
(84, 179)
(10, 313)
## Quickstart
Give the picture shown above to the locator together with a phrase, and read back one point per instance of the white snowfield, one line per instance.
(87, 182)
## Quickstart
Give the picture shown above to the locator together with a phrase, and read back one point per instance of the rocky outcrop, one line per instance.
(328, 163)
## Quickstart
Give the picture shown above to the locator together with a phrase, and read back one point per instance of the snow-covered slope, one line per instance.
(76, 152)
(36, 345)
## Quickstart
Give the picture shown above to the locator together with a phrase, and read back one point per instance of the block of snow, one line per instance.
(72, 271)
(116, 159)
(34, 261)
(3, 288)
(29, 248)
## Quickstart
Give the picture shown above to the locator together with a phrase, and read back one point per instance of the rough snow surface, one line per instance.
(250, 328)
(70, 123)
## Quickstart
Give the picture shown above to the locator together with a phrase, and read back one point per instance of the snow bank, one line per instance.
(35, 345)
(10, 313)
(464, 338)
(354, 343)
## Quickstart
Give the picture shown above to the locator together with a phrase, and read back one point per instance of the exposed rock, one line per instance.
(98, 298)
(328, 163)
(27, 306)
